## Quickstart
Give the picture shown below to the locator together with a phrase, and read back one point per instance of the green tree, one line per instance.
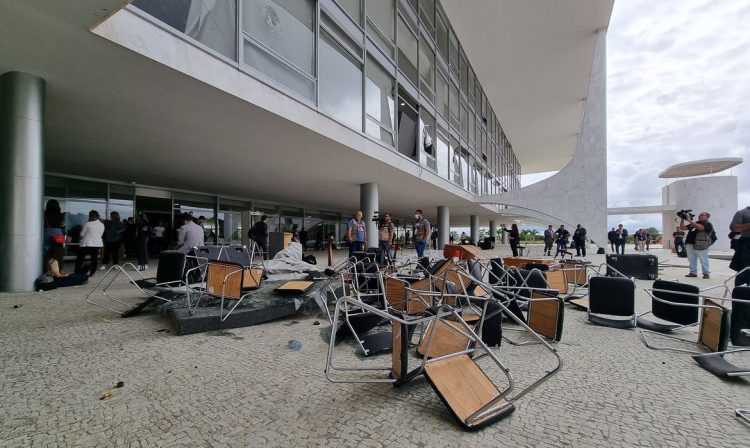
(531, 235)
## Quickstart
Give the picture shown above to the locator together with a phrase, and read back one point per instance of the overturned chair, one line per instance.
(739, 336)
(473, 398)
(611, 297)
(680, 305)
(226, 281)
(168, 284)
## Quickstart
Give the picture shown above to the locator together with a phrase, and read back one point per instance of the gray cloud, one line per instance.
(677, 91)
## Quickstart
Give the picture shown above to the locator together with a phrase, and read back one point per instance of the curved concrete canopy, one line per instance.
(700, 167)
(533, 59)
(115, 114)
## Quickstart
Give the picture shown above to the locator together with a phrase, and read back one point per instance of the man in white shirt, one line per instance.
(189, 234)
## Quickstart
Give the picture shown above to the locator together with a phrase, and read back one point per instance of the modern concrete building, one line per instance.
(700, 185)
(300, 109)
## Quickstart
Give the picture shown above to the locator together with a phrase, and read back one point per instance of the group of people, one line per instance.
(356, 234)
(560, 239)
(112, 237)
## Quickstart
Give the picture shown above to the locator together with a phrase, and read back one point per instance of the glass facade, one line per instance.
(393, 70)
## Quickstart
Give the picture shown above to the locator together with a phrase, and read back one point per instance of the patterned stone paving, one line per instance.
(247, 388)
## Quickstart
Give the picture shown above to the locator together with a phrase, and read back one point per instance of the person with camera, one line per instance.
(356, 233)
(741, 259)
(697, 240)
(386, 232)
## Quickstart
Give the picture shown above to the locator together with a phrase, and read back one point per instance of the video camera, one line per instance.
(685, 214)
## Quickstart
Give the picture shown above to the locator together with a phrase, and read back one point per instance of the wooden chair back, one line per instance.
(224, 278)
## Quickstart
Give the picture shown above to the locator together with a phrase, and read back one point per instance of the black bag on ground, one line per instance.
(643, 267)
(310, 259)
(45, 283)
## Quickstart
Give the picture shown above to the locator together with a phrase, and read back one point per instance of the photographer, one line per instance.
(697, 241)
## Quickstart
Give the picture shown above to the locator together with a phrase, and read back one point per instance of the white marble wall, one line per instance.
(577, 194)
(716, 195)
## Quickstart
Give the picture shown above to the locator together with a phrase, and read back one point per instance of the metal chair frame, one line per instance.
(123, 269)
(501, 401)
(701, 305)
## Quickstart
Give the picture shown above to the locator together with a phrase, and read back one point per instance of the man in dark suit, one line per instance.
(579, 239)
(621, 235)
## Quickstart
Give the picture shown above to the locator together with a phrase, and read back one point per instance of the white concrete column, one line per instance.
(369, 203)
(493, 228)
(22, 103)
(443, 225)
(474, 227)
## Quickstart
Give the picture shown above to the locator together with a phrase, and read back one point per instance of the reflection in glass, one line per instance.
(383, 13)
(454, 105)
(271, 67)
(427, 12)
(408, 51)
(340, 83)
(353, 8)
(379, 102)
(210, 22)
(453, 53)
(407, 125)
(285, 26)
(427, 65)
(455, 162)
(442, 95)
(427, 139)
(442, 156)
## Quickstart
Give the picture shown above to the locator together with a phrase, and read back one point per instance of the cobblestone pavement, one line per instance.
(247, 388)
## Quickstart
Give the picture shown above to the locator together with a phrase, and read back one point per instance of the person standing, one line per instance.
(648, 238)
(549, 238)
(695, 248)
(434, 238)
(302, 236)
(91, 243)
(113, 230)
(562, 236)
(53, 224)
(422, 229)
(386, 232)
(579, 239)
(679, 241)
(142, 235)
(621, 235)
(259, 234)
(159, 238)
(741, 259)
(189, 234)
(356, 233)
(612, 237)
(640, 240)
(513, 238)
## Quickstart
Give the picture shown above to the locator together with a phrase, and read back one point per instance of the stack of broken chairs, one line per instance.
(450, 314)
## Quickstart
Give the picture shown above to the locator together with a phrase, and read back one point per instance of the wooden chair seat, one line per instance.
(446, 340)
(251, 278)
(714, 328)
(546, 317)
(582, 303)
(465, 389)
(558, 281)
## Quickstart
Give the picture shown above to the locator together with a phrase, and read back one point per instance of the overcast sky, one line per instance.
(678, 89)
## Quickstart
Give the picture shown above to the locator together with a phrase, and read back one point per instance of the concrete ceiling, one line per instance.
(114, 114)
(533, 59)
